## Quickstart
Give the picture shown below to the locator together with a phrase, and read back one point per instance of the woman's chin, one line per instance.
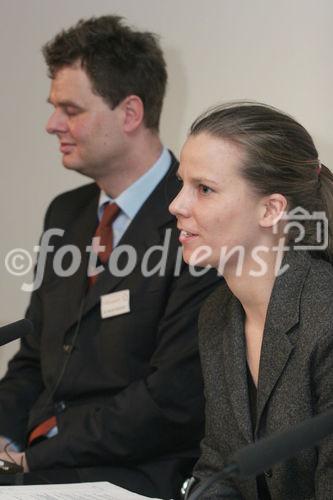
(186, 256)
(195, 260)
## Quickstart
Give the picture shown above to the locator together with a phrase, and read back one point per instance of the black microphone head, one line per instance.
(15, 331)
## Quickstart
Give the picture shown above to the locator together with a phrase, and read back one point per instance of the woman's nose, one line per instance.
(179, 205)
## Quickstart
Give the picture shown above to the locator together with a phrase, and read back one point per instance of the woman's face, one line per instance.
(216, 207)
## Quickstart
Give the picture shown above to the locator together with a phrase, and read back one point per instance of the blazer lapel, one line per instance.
(235, 367)
(282, 316)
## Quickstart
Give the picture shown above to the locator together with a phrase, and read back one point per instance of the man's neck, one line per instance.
(134, 164)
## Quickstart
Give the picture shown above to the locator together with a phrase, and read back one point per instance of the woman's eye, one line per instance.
(205, 189)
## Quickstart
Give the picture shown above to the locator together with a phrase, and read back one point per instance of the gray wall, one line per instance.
(275, 52)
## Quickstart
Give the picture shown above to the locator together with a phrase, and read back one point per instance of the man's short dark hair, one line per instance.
(118, 60)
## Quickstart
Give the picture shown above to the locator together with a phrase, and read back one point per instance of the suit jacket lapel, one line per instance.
(73, 288)
(282, 316)
(143, 232)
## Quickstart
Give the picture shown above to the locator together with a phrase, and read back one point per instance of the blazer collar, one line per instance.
(282, 316)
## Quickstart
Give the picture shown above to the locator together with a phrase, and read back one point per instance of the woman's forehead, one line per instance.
(204, 153)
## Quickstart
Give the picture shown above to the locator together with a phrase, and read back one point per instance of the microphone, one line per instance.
(258, 457)
(255, 458)
(15, 331)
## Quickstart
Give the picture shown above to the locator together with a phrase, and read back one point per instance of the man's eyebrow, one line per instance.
(64, 103)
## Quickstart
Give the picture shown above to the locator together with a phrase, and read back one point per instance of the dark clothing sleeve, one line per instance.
(209, 464)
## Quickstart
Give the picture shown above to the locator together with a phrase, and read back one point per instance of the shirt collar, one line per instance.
(131, 200)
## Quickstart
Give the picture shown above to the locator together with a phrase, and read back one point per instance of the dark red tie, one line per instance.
(105, 234)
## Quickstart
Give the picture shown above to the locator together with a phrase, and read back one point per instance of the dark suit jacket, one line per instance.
(295, 378)
(131, 391)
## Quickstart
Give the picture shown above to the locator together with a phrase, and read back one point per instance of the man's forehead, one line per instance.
(70, 83)
(71, 73)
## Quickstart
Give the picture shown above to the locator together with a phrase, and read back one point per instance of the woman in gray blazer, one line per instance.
(257, 203)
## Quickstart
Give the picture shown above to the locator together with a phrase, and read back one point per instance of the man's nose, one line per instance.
(56, 123)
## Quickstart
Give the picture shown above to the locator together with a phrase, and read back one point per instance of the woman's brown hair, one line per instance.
(280, 157)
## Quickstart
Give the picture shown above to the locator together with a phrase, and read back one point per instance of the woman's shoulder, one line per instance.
(220, 296)
(316, 303)
(319, 281)
(215, 307)
(307, 275)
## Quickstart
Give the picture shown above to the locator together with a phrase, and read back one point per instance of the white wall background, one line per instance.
(279, 52)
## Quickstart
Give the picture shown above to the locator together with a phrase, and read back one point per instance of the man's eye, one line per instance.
(204, 189)
(71, 111)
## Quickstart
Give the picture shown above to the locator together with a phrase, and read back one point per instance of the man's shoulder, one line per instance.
(76, 197)
(70, 204)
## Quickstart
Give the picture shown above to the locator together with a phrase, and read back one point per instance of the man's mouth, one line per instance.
(66, 147)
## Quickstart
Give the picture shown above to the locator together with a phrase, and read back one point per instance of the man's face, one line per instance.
(90, 133)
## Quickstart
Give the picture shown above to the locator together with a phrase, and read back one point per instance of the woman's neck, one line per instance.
(253, 287)
(254, 290)
(254, 293)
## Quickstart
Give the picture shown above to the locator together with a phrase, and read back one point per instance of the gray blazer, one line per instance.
(295, 379)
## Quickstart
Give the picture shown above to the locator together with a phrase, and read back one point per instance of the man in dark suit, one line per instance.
(109, 386)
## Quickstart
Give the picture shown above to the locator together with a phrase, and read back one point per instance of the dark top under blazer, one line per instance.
(295, 378)
(132, 390)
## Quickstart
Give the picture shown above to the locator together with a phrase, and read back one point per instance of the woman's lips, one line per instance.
(186, 236)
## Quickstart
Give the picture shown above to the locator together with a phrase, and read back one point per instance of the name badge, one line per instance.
(115, 303)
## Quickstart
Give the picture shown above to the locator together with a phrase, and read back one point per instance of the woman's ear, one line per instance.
(273, 208)
(133, 113)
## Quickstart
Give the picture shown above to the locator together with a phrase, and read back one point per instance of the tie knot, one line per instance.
(110, 213)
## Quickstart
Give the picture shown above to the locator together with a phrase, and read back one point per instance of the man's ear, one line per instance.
(274, 207)
(133, 113)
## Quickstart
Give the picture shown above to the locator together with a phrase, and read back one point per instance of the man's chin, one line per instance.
(72, 165)
(69, 163)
